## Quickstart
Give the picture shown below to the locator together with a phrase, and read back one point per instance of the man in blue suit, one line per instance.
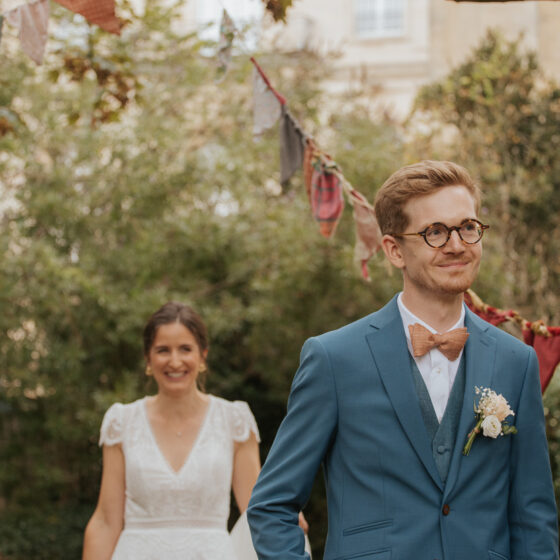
(385, 404)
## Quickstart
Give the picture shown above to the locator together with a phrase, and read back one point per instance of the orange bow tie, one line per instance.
(449, 344)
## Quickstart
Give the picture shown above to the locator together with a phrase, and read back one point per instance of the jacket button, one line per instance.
(445, 509)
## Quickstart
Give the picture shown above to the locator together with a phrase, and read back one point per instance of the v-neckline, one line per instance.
(195, 442)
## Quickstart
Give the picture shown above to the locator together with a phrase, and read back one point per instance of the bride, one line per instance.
(171, 460)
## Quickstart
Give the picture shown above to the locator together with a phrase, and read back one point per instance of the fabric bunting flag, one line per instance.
(545, 340)
(292, 146)
(368, 234)
(547, 349)
(32, 21)
(100, 12)
(327, 202)
(487, 312)
(309, 154)
(267, 102)
(227, 33)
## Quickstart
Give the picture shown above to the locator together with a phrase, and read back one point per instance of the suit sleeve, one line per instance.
(532, 509)
(300, 445)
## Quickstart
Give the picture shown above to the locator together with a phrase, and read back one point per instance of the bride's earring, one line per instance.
(149, 371)
(202, 368)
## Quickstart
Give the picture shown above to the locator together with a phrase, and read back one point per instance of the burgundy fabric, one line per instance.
(547, 349)
(327, 202)
(491, 314)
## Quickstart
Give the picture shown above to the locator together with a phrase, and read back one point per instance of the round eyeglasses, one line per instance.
(437, 235)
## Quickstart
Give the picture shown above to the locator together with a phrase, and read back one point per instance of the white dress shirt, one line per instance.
(436, 370)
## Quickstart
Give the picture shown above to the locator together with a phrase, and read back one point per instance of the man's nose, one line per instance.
(455, 243)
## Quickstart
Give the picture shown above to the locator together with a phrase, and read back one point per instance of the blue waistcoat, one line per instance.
(442, 435)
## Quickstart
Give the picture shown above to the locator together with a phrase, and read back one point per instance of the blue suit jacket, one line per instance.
(353, 408)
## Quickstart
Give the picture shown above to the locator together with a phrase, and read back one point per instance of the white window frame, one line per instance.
(379, 12)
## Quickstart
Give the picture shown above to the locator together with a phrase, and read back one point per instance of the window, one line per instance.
(379, 18)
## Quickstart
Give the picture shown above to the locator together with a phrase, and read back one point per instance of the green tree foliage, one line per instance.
(129, 178)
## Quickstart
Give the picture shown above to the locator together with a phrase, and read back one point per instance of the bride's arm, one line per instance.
(246, 468)
(106, 523)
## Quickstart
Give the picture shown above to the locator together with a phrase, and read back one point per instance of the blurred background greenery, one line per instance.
(131, 178)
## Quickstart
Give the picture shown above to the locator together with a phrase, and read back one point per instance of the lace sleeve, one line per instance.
(243, 422)
(112, 425)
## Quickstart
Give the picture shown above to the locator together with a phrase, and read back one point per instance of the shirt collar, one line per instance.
(408, 318)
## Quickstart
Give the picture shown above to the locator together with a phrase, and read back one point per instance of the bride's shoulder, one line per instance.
(115, 420)
(238, 416)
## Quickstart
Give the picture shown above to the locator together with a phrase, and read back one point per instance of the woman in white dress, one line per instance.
(171, 460)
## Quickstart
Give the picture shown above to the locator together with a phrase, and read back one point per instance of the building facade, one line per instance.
(399, 45)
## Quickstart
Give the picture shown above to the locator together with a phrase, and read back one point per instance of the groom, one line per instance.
(385, 404)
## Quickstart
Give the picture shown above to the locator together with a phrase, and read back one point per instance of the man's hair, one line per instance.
(418, 179)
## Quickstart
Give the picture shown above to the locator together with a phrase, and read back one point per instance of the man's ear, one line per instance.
(392, 251)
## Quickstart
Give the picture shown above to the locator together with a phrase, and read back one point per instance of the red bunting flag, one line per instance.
(100, 12)
(547, 349)
(487, 312)
(545, 340)
(327, 202)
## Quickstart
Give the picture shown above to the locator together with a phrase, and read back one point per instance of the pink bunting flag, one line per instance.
(100, 12)
(9, 5)
(267, 102)
(32, 21)
(368, 234)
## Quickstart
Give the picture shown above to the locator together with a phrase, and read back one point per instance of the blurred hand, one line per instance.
(303, 523)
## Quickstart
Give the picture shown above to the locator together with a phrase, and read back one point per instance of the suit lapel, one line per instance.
(387, 342)
(479, 357)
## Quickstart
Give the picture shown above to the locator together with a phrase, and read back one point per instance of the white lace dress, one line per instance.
(177, 515)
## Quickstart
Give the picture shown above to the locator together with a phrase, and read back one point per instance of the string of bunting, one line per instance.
(324, 182)
(31, 19)
(325, 185)
(544, 339)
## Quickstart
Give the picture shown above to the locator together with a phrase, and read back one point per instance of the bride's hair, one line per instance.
(175, 312)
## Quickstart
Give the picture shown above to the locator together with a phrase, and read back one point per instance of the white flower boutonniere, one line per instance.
(491, 411)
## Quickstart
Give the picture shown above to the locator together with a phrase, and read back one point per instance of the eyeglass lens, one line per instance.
(437, 235)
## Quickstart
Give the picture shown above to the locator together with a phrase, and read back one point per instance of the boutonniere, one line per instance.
(491, 411)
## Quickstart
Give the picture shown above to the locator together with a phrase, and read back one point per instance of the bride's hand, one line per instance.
(303, 523)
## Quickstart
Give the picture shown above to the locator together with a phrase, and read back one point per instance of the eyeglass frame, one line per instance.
(450, 230)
